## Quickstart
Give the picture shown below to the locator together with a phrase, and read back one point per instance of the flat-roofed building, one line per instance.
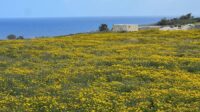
(124, 28)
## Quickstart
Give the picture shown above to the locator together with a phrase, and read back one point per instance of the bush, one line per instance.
(103, 28)
(11, 37)
(20, 37)
(163, 22)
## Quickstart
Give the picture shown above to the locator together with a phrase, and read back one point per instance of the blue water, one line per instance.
(37, 27)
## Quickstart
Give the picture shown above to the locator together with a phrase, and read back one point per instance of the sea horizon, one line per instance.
(56, 26)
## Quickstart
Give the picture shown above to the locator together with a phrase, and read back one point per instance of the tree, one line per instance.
(163, 22)
(20, 37)
(187, 16)
(103, 28)
(185, 19)
(11, 37)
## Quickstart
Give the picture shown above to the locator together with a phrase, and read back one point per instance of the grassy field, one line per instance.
(143, 71)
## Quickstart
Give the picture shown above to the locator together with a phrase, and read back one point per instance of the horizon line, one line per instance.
(85, 17)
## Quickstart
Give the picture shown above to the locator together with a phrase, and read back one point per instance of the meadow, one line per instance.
(145, 71)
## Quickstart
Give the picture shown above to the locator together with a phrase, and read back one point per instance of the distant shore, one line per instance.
(48, 27)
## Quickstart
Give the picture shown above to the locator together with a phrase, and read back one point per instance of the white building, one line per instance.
(124, 28)
(149, 27)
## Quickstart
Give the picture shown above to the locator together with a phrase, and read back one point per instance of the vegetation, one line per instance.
(103, 28)
(185, 19)
(11, 37)
(104, 72)
(20, 37)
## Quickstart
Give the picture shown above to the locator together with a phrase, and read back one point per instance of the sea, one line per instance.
(48, 27)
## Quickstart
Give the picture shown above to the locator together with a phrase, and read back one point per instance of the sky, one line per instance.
(96, 8)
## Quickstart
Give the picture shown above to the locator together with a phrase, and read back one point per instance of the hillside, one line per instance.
(102, 72)
(184, 19)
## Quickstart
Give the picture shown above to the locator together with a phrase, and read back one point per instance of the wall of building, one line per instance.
(125, 28)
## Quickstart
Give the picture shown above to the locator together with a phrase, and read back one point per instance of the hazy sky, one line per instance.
(74, 8)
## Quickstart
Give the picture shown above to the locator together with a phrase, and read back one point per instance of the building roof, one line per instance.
(126, 24)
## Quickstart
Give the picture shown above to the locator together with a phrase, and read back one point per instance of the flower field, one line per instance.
(145, 71)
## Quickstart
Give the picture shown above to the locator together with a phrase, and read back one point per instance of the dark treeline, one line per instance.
(14, 37)
(185, 19)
